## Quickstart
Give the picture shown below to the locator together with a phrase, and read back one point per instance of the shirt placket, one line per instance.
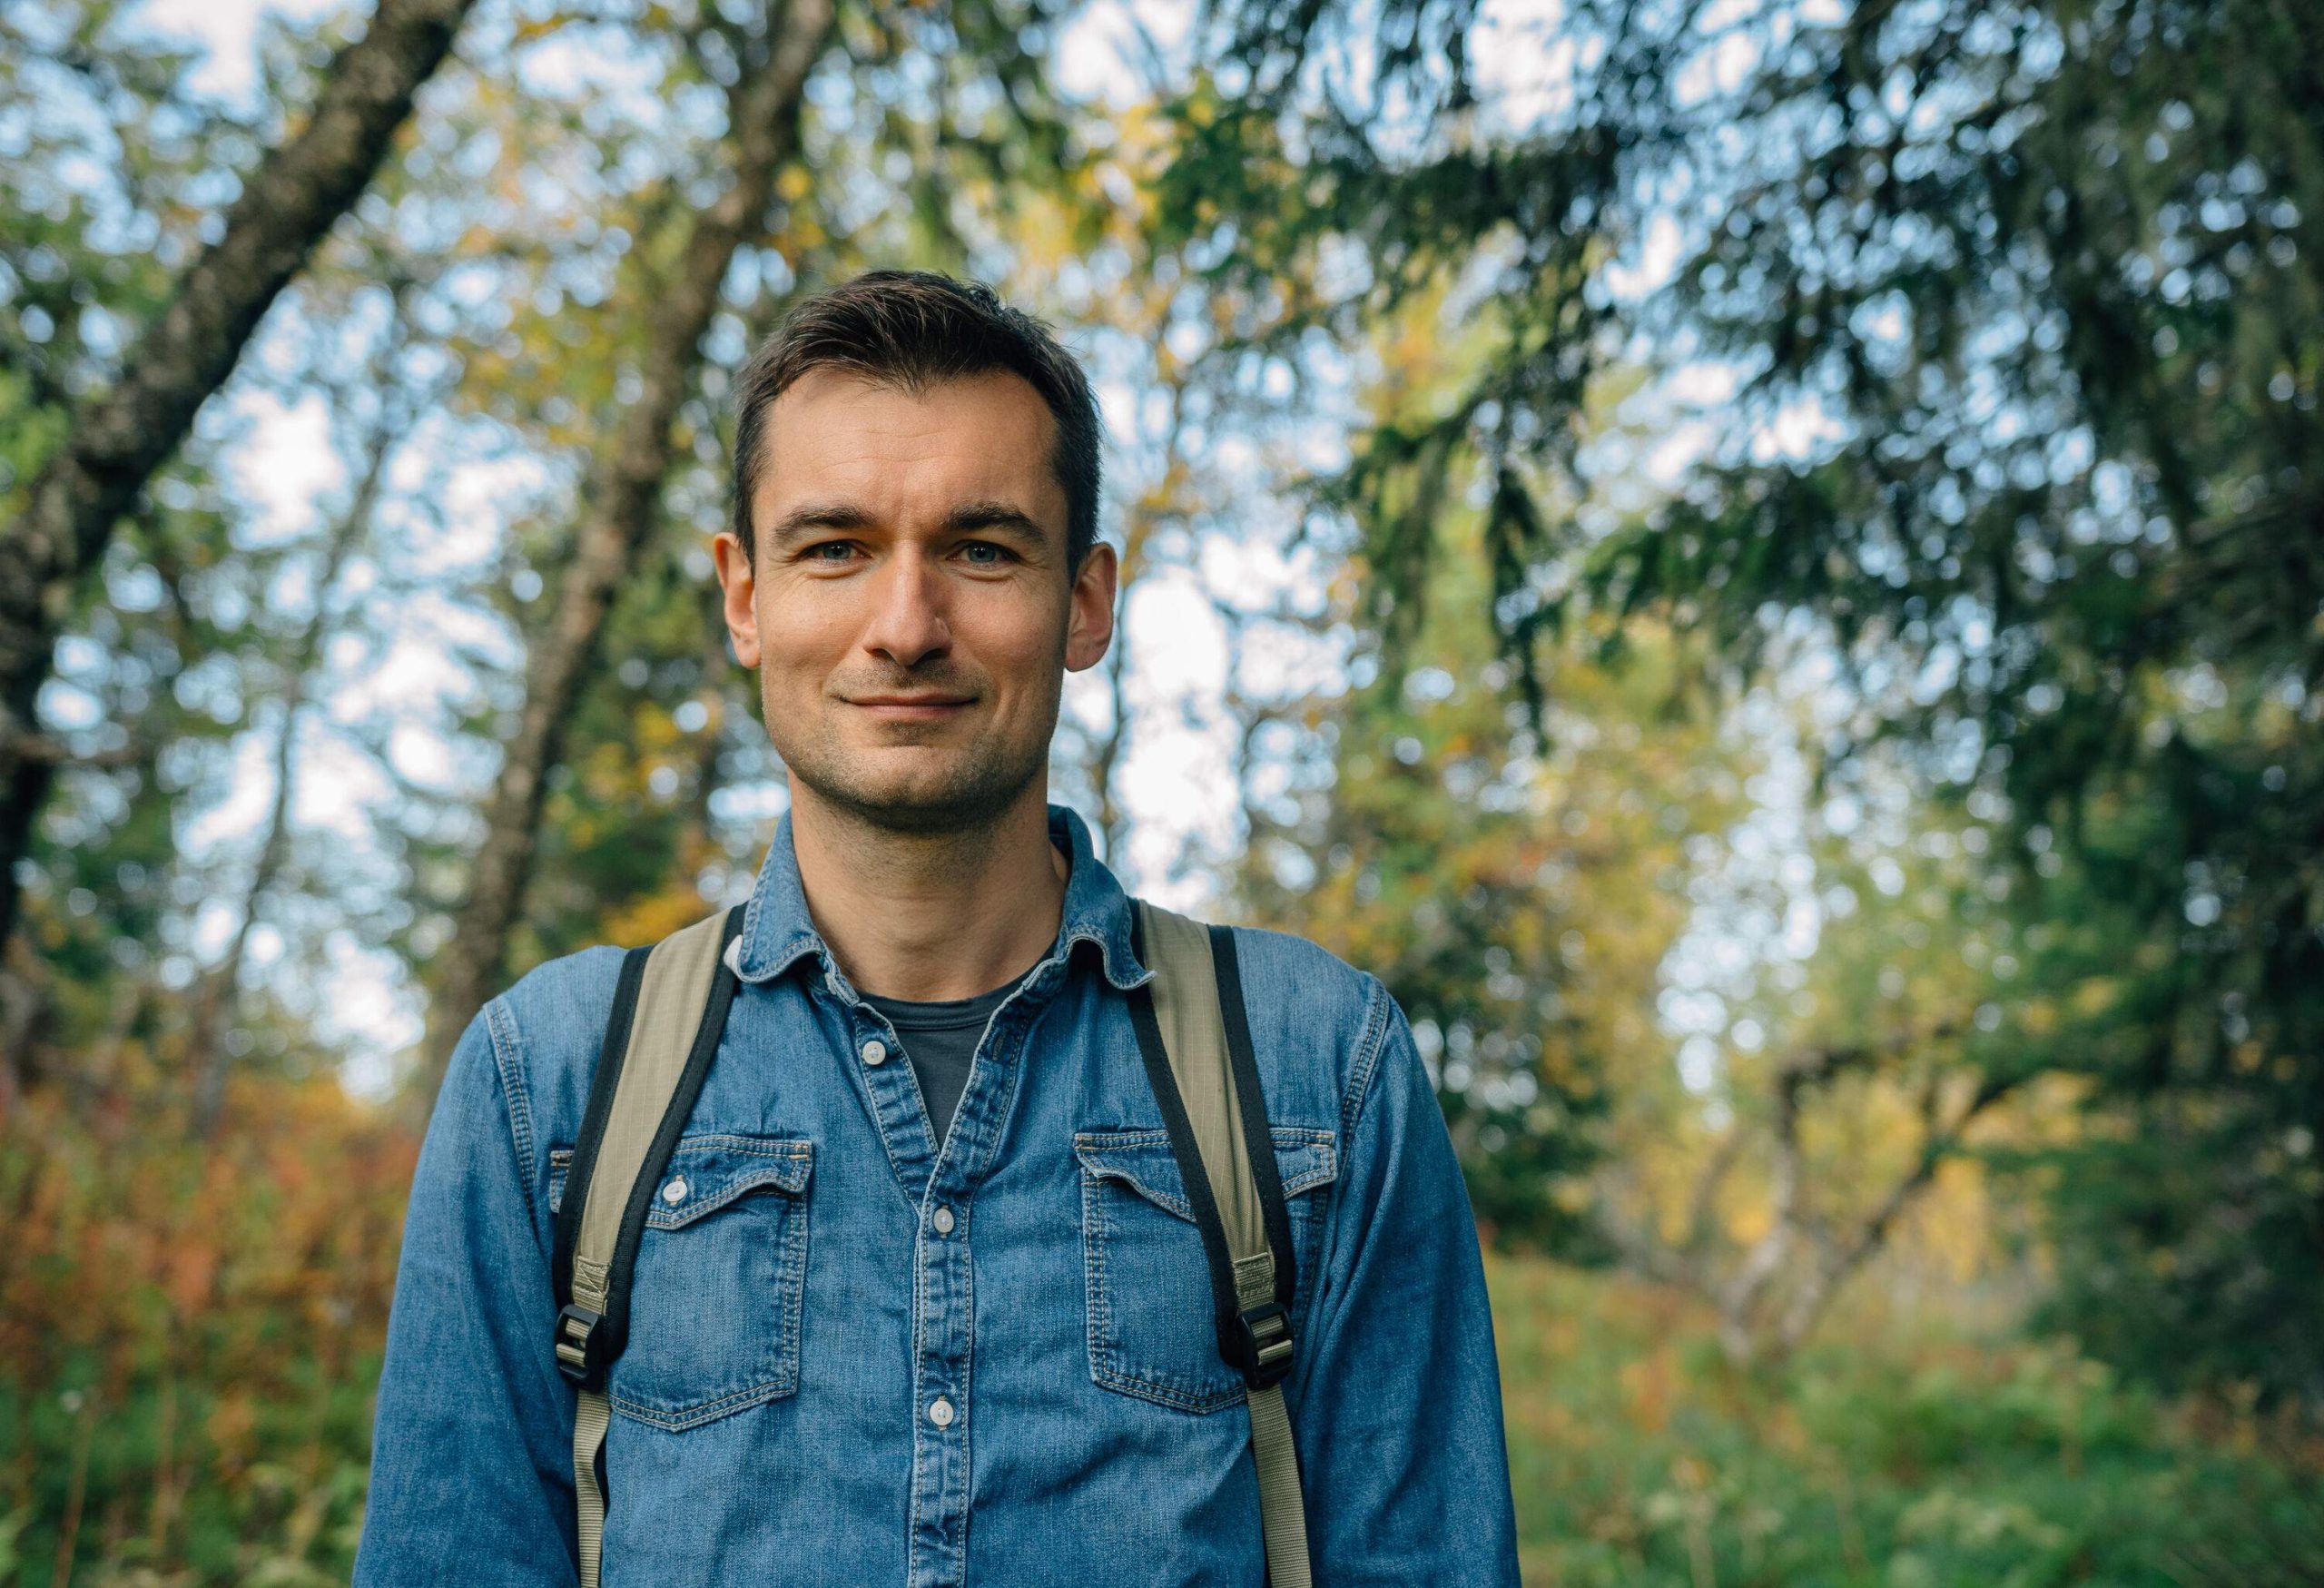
(943, 1300)
(943, 1306)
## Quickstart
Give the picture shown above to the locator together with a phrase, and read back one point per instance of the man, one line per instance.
(913, 1307)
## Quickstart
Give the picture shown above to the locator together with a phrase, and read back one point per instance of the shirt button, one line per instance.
(943, 1221)
(875, 1051)
(675, 1192)
(939, 1412)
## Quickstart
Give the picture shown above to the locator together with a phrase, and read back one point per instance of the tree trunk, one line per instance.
(118, 439)
(764, 108)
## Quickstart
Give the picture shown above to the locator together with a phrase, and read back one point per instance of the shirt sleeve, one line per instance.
(471, 1477)
(1398, 1421)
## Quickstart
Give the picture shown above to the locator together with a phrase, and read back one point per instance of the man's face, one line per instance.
(910, 613)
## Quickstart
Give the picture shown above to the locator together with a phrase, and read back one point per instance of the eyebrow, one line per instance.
(986, 513)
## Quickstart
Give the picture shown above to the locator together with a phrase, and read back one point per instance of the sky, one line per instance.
(1089, 60)
(227, 27)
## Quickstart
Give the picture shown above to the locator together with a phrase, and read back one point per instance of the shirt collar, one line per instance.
(777, 930)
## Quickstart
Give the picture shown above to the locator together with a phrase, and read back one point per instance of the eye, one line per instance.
(815, 552)
(1000, 554)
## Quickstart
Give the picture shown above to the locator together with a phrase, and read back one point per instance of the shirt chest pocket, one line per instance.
(716, 1303)
(1149, 1310)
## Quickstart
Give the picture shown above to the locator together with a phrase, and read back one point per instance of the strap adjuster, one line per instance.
(582, 1352)
(1268, 1345)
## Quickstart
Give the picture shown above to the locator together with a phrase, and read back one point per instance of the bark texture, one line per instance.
(120, 437)
(764, 109)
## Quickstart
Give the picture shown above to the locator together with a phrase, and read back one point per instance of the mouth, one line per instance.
(910, 708)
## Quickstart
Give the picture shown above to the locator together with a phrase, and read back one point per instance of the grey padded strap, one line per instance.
(1194, 1035)
(589, 1420)
(672, 998)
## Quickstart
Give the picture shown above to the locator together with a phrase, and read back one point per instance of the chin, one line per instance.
(949, 798)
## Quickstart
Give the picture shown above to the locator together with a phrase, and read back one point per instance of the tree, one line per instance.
(2037, 283)
(764, 97)
(1514, 872)
(113, 440)
(2052, 272)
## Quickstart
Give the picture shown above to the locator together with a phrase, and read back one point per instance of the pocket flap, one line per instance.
(707, 1172)
(1304, 1157)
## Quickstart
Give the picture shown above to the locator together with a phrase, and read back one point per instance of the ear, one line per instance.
(1089, 627)
(736, 576)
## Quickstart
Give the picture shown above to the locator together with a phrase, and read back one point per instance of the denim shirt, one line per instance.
(860, 1356)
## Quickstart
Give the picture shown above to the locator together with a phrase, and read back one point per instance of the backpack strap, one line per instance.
(669, 1010)
(1195, 1039)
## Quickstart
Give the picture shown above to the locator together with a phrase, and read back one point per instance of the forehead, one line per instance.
(901, 454)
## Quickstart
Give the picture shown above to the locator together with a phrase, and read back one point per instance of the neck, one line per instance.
(925, 916)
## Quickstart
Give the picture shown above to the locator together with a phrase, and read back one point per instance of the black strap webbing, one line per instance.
(603, 1083)
(1252, 1106)
(1234, 1346)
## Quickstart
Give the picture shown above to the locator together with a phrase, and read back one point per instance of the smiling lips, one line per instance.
(909, 707)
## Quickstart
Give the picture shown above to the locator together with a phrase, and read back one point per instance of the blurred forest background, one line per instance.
(1758, 560)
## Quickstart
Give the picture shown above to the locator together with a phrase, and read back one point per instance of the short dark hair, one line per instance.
(910, 329)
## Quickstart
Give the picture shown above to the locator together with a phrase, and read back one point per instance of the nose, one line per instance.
(908, 623)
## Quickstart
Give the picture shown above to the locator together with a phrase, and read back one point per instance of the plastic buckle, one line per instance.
(581, 1354)
(1267, 1343)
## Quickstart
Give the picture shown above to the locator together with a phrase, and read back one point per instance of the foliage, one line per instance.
(192, 1334)
(1509, 899)
(1912, 1450)
(2067, 353)
(1512, 874)
(110, 173)
(2017, 305)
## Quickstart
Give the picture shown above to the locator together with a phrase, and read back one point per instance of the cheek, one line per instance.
(1018, 641)
(797, 635)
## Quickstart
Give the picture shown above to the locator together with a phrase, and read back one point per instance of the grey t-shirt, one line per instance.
(941, 1040)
